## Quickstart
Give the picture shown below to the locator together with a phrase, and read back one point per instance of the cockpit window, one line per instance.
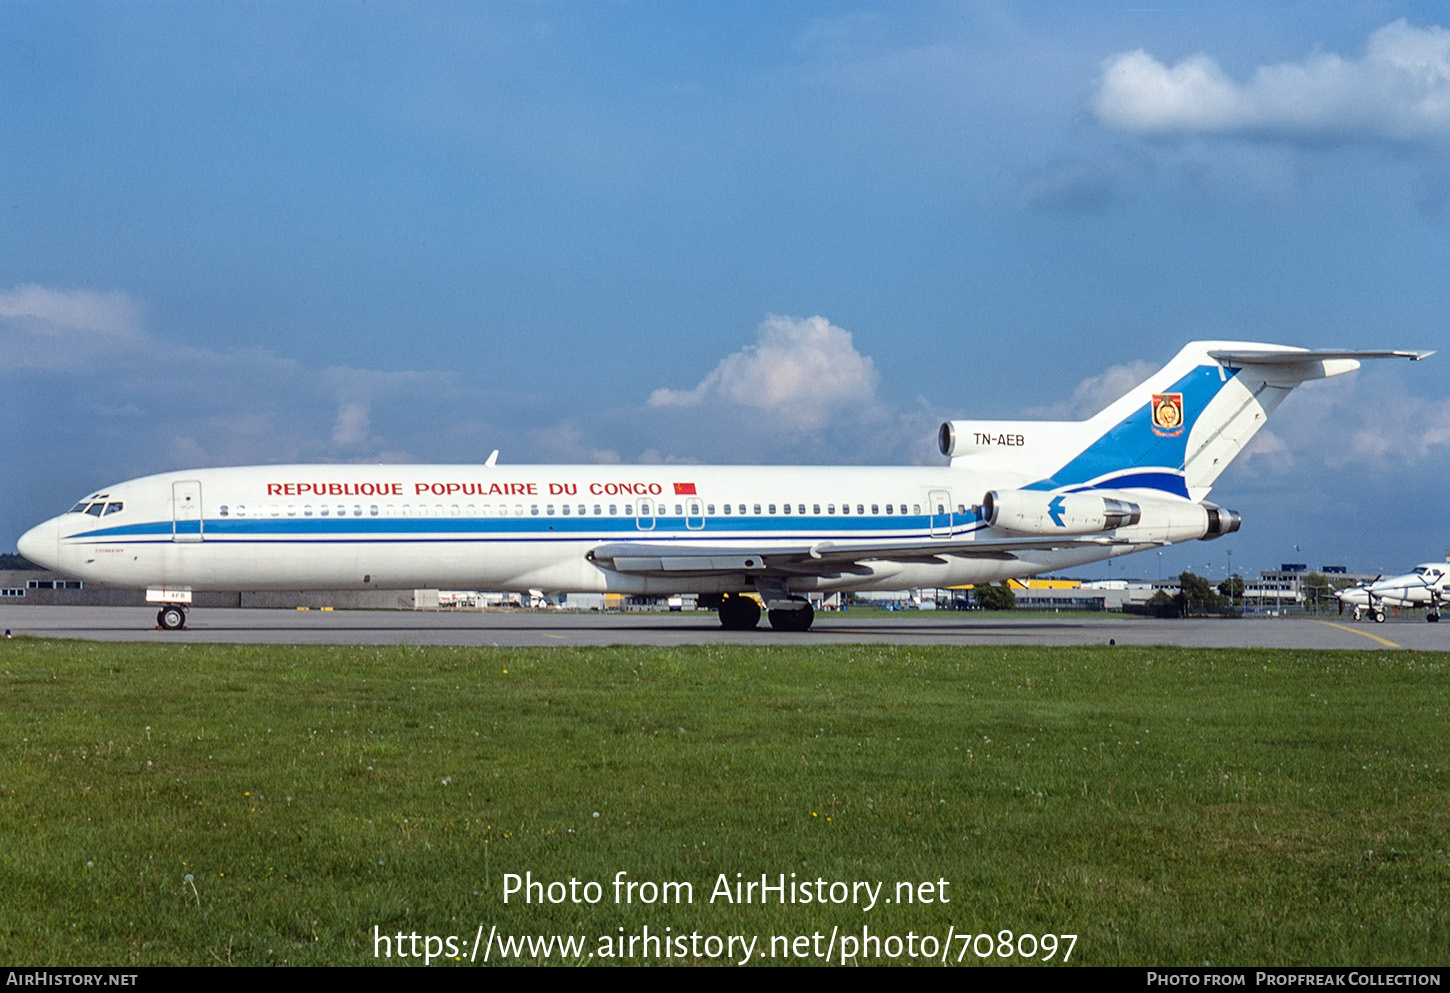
(114, 508)
(95, 509)
(78, 508)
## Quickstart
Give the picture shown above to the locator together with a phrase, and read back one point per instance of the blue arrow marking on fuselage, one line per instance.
(1055, 510)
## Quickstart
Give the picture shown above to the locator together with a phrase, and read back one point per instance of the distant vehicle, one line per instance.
(1019, 498)
(1428, 586)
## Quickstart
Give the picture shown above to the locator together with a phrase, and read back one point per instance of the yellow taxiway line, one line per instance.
(1372, 637)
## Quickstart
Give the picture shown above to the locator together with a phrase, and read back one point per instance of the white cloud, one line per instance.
(353, 425)
(1096, 392)
(43, 328)
(91, 354)
(1398, 91)
(1367, 422)
(806, 372)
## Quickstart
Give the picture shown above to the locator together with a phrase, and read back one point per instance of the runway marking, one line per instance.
(1372, 637)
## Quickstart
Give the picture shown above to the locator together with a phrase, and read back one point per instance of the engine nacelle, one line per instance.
(1220, 522)
(1030, 512)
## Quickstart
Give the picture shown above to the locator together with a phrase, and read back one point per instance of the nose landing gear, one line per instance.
(171, 618)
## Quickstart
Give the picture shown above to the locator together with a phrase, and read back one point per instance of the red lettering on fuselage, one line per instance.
(476, 489)
(334, 489)
(626, 489)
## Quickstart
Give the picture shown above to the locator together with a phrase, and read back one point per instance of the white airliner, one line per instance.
(1428, 586)
(1018, 498)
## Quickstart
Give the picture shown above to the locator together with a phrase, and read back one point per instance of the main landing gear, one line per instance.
(739, 612)
(793, 618)
(171, 617)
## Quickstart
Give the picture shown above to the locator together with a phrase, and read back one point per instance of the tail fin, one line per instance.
(1175, 433)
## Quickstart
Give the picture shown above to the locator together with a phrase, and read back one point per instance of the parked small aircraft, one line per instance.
(1428, 586)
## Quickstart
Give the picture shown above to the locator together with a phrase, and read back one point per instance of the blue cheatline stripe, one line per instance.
(799, 528)
(1132, 444)
(529, 525)
(1169, 482)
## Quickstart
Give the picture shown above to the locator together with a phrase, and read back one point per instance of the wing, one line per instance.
(826, 559)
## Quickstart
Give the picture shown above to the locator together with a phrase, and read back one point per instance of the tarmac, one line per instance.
(540, 628)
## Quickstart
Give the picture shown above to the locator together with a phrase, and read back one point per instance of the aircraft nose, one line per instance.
(40, 544)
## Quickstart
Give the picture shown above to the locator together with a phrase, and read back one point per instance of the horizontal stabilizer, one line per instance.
(1293, 356)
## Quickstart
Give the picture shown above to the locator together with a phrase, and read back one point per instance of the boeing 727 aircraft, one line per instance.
(1018, 498)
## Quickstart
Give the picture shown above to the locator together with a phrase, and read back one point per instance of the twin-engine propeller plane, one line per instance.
(1018, 498)
(1428, 586)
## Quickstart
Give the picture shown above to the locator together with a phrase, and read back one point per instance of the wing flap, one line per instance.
(819, 559)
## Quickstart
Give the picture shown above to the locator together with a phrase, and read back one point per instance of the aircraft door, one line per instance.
(940, 508)
(186, 516)
(645, 519)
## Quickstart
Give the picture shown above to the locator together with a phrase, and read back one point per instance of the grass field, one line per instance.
(219, 804)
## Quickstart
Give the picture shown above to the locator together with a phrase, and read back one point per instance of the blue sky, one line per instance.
(268, 232)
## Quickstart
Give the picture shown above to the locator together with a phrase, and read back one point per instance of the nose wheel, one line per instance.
(171, 618)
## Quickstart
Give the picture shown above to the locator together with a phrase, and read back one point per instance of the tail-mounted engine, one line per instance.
(1220, 522)
(1030, 512)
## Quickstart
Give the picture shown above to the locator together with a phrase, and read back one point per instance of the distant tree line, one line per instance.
(999, 597)
(1197, 595)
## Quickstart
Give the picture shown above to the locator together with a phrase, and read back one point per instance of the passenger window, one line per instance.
(830, 508)
(614, 510)
(784, 509)
(710, 509)
(757, 510)
(816, 508)
(223, 510)
(875, 509)
(598, 511)
(772, 508)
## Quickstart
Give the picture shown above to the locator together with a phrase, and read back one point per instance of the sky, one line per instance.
(247, 232)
